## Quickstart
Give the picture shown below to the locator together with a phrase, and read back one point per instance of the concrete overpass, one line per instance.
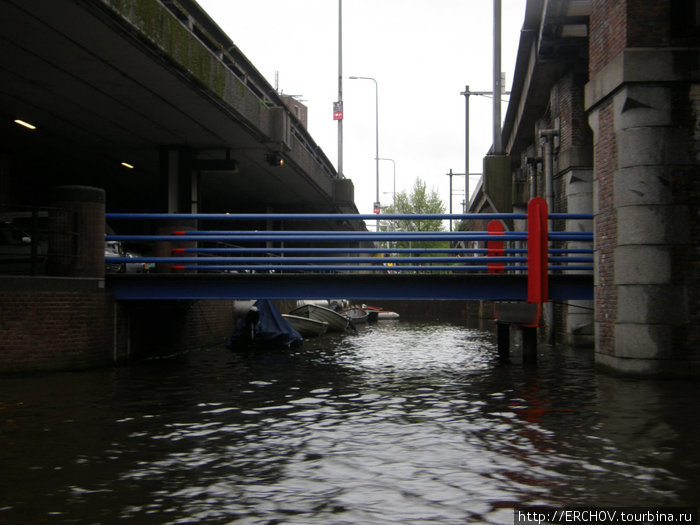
(155, 84)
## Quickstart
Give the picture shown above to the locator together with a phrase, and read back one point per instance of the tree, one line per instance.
(419, 201)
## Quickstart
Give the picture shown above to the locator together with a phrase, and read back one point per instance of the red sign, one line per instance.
(337, 111)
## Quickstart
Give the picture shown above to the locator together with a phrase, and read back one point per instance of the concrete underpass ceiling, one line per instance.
(100, 96)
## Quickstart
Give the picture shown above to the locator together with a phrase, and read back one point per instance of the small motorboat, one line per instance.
(356, 314)
(263, 327)
(336, 322)
(305, 326)
(380, 313)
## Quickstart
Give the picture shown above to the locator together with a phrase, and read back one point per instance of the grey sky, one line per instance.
(422, 54)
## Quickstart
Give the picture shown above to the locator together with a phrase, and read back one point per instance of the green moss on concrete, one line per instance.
(160, 27)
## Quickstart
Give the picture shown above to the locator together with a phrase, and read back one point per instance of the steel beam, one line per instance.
(215, 286)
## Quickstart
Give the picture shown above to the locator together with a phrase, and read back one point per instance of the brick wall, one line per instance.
(162, 328)
(605, 230)
(617, 24)
(608, 33)
(209, 323)
(648, 23)
(44, 330)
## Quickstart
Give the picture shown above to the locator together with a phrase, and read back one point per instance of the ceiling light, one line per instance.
(127, 165)
(25, 124)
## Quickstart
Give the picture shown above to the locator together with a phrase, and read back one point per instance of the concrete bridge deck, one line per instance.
(158, 86)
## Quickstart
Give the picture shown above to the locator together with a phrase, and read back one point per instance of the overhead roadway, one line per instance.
(108, 82)
(553, 40)
(553, 37)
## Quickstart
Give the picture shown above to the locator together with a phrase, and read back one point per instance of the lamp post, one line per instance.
(376, 138)
(467, 93)
(339, 118)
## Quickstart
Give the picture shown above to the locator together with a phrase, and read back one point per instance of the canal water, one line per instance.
(401, 423)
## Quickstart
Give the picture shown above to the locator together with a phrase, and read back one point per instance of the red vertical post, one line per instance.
(537, 251)
(495, 248)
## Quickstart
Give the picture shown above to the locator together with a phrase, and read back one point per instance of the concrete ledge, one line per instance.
(640, 65)
(521, 313)
(51, 284)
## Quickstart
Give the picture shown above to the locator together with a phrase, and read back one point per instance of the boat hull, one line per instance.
(356, 315)
(306, 326)
(336, 322)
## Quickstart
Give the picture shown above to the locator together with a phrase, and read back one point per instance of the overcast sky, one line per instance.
(422, 54)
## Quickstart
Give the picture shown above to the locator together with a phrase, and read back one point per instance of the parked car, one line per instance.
(136, 267)
(16, 250)
(114, 249)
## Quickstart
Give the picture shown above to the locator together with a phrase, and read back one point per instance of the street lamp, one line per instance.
(376, 137)
(467, 93)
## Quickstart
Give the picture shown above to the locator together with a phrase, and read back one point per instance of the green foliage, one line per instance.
(419, 201)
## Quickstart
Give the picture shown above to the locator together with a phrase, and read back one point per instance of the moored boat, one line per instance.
(263, 327)
(356, 314)
(306, 326)
(380, 313)
(336, 322)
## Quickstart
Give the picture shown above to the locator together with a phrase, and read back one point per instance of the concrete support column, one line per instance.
(650, 224)
(179, 194)
(579, 314)
(643, 274)
(77, 232)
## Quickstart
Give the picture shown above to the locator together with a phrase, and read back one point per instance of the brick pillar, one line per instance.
(77, 232)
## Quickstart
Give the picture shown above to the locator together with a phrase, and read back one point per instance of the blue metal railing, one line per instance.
(367, 251)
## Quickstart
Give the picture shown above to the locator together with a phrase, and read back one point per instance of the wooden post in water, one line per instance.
(503, 341)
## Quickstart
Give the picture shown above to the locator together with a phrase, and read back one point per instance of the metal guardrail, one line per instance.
(364, 251)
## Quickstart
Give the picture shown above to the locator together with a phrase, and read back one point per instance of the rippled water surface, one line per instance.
(401, 423)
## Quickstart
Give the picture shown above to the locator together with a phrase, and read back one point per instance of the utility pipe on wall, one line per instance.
(532, 163)
(547, 136)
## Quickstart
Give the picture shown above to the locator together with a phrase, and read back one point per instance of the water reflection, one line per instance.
(397, 424)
